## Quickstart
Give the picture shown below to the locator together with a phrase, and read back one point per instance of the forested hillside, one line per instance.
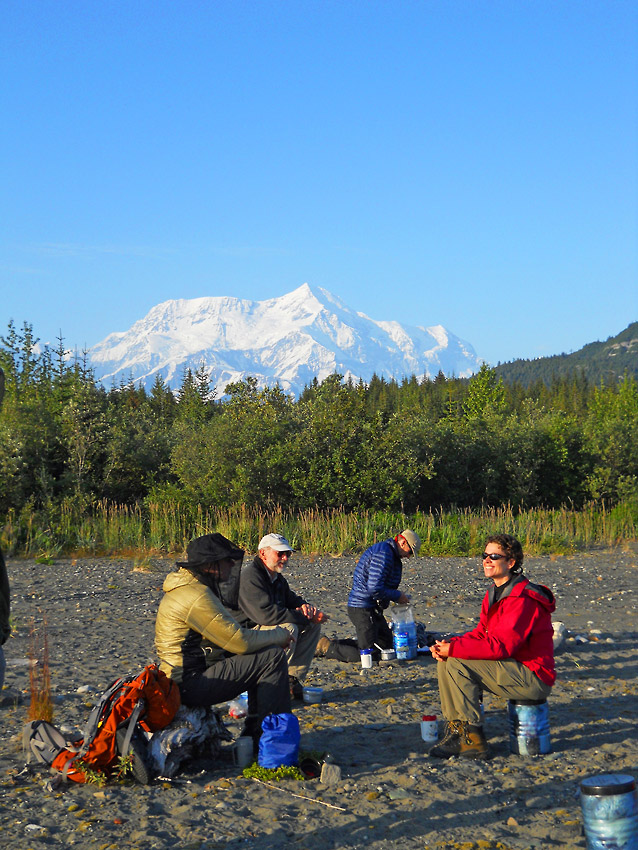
(433, 443)
(598, 361)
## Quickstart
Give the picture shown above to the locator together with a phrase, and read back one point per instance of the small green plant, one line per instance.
(124, 766)
(93, 777)
(272, 774)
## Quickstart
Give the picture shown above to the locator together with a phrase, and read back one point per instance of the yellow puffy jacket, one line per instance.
(193, 629)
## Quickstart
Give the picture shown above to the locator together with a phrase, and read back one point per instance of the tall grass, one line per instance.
(166, 527)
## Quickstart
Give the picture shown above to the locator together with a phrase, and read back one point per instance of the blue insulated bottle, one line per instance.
(529, 727)
(610, 812)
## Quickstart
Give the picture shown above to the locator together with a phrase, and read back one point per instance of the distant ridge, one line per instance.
(308, 333)
(596, 361)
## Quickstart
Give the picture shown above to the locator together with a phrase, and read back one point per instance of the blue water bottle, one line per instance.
(401, 641)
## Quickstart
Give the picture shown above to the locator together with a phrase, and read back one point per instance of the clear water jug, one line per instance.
(403, 631)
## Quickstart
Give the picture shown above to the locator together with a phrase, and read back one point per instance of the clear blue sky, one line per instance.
(471, 163)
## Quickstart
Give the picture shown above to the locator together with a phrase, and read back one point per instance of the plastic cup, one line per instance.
(243, 751)
(366, 658)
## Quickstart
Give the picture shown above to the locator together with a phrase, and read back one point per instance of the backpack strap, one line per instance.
(93, 723)
(64, 765)
(139, 707)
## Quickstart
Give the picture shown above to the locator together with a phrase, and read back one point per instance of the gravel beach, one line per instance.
(101, 613)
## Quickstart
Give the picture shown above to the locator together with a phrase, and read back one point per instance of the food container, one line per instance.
(366, 658)
(388, 655)
(429, 728)
(312, 695)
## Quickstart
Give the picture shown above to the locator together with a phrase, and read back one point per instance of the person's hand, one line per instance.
(403, 599)
(308, 611)
(287, 640)
(320, 617)
(440, 650)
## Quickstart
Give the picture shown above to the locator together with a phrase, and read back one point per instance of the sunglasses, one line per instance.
(493, 556)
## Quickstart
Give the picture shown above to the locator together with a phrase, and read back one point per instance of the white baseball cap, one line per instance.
(275, 541)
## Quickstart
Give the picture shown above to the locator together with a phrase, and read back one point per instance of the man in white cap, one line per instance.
(266, 601)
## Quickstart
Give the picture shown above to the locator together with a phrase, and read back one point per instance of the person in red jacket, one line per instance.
(510, 653)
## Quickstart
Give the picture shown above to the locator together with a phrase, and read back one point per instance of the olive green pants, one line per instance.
(462, 681)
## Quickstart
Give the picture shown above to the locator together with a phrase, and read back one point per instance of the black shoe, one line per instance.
(296, 688)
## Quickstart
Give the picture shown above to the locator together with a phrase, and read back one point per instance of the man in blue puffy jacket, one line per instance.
(375, 584)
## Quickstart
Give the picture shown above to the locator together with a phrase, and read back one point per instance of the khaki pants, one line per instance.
(301, 652)
(462, 680)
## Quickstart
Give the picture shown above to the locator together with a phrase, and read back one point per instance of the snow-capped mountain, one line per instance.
(289, 340)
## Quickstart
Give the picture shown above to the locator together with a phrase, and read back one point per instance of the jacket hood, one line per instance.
(543, 595)
(179, 578)
(226, 591)
(209, 549)
(522, 586)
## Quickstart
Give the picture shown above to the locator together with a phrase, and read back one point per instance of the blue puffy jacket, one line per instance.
(377, 577)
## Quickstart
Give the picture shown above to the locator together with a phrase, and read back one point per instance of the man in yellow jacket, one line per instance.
(204, 649)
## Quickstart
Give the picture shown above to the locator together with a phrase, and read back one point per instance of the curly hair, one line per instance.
(512, 548)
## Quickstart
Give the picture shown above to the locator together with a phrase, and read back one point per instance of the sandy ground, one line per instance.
(101, 613)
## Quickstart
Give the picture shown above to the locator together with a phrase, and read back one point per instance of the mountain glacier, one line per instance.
(290, 340)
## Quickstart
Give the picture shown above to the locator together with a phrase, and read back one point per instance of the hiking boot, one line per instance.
(472, 743)
(323, 645)
(450, 743)
(296, 688)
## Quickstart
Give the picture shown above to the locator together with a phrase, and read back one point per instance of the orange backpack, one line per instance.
(150, 700)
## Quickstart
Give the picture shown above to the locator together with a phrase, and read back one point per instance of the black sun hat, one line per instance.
(209, 549)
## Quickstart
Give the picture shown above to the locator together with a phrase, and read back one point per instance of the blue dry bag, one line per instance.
(279, 743)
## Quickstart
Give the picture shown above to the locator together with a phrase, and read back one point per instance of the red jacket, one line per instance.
(518, 626)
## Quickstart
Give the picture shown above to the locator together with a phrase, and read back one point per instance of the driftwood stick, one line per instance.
(299, 796)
